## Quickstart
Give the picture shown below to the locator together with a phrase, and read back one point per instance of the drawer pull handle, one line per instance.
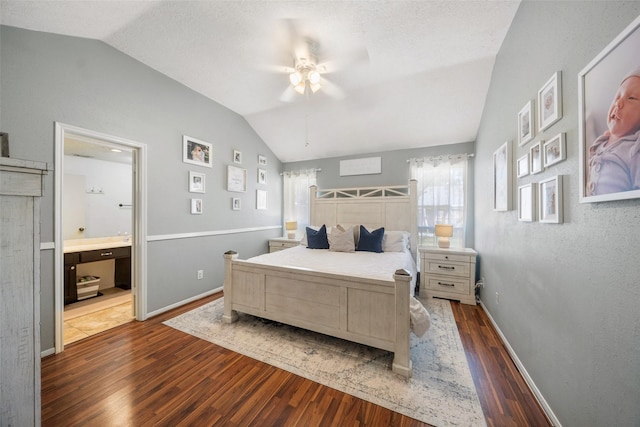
(451, 285)
(446, 267)
(106, 253)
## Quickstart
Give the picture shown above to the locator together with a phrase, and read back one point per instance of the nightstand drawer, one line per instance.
(280, 244)
(448, 284)
(447, 257)
(446, 267)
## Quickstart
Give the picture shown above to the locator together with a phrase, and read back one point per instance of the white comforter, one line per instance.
(380, 266)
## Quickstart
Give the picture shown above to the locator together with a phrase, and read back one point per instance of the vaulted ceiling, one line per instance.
(410, 73)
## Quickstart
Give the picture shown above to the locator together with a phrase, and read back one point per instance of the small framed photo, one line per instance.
(527, 202)
(236, 179)
(553, 151)
(502, 171)
(261, 199)
(262, 160)
(196, 152)
(262, 176)
(525, 124)
(522, 166)
(196, 182)
(550, 102)
(550, 200)
(237, 157)
(235, 203)
(196, 206)
(535, 158)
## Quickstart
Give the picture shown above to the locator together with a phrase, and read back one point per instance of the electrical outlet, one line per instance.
(497, 297)
(200, 274)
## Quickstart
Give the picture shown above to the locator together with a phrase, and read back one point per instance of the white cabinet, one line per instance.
(448, 273)
(279, 244)
(20, 192)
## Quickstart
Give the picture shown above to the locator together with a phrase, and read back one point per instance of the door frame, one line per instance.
(139, 232)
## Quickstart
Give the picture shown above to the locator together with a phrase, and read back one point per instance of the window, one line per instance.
(442, 196)
(296, 196)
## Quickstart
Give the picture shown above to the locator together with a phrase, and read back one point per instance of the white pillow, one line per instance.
(342, 240)
(395, 241)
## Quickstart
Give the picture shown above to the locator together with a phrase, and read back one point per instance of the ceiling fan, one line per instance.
(307, 75)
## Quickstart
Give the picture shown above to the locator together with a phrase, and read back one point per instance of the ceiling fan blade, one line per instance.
(289, 94)
(278, 69)
(359, 56)
(331, 89)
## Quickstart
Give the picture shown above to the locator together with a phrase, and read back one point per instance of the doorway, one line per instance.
(100, 233)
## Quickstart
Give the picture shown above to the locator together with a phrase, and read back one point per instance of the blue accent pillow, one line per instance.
(370, 241)
(317, 239)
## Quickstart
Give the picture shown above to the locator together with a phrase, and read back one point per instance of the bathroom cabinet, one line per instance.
(21, 187)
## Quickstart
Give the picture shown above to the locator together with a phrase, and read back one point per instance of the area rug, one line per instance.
(440, 392)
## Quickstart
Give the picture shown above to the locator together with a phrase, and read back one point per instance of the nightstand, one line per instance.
(448, 273)
(281, 243)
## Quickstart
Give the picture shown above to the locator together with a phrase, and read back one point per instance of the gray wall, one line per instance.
(395, 171)
(569, 293)
(46, 78)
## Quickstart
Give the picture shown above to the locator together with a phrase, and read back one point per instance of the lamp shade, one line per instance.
(444, 230)
(291, 225)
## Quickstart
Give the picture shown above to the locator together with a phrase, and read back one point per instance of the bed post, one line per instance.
(313, 191)
(229, 315)
(401, 357)
(413, 217)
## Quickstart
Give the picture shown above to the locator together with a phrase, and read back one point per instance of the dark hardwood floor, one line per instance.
(148, 374)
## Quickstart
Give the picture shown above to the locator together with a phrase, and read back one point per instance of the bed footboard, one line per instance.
(366, 311)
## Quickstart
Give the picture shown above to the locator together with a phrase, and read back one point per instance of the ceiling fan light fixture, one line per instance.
(300, 87)
(314, 87)
(314, 77)
(295, 78)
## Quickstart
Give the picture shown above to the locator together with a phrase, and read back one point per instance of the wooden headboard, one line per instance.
(395, 208)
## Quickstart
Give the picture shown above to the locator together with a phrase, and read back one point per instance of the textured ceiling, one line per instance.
(425, 82)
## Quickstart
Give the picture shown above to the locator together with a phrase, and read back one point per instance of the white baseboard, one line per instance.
(183, 302)
(527, 378)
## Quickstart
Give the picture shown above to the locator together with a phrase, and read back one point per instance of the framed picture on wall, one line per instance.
(196, 152)
(525, 124)
(235, 203)
(261, 199)
(527, 202)
(553, 151)
(196, 182)
(262, 160)
(550, 102)
(196, 206)
(236, 179)
(522, 166)
(237, 156)
(614, 73)
(502, 171)
(550, 199)
(535, 158)
(262, 176)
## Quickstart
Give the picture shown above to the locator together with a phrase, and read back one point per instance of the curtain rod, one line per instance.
(312, 169)
(446, 156)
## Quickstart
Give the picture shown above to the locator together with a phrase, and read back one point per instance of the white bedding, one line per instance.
(379, 266)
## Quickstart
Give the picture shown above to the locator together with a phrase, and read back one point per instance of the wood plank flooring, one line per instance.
(148, 374)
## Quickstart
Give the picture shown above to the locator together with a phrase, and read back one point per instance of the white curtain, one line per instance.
(442, 196)
(296, 196)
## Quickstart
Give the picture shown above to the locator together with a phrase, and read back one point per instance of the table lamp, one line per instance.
(444, 231)
(291, 227)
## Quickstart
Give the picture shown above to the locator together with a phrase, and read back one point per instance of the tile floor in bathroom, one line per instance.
(89, 317)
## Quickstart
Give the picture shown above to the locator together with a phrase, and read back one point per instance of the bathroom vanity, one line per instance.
(82, 251)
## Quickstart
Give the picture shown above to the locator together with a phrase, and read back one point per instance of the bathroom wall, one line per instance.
(107, 185)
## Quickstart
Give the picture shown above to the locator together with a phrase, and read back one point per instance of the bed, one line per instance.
(374, 307)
